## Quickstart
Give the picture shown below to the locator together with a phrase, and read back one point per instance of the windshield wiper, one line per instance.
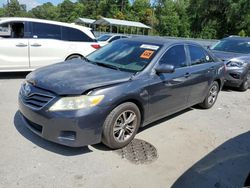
(107, 65)
(102, 64)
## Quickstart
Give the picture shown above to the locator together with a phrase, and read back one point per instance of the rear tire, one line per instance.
(75, 56)
(246, 83)
(211, 96)
(121, 125)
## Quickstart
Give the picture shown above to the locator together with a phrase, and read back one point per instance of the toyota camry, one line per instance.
(117, 89)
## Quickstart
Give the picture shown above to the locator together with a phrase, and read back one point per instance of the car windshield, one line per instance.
(235, 46)
(125, 55)
(103, 38)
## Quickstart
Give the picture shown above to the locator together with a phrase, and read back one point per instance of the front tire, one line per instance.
(211, 96)
(246, 83)
(121, 125)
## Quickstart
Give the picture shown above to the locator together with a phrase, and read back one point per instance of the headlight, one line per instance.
(235, 64)
(75, 103)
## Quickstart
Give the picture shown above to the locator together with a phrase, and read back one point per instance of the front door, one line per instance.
(169, 92)
(14, 47)
(46, 46)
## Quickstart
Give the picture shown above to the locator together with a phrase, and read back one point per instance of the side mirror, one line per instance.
(165, 68)
(209, 47)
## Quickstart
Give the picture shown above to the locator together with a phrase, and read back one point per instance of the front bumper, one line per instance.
(234, 76)
(71, 128)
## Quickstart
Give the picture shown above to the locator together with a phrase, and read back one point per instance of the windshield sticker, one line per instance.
(147, 54)
(150, 47)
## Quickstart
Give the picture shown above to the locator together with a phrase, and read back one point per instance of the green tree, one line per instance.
(168, 19)
(2, 12)
(66, 11)
(45, 11)
(91, 10)
(13, 8)
(184, 23)
(242, 33)
(228, 17)
(142, 11)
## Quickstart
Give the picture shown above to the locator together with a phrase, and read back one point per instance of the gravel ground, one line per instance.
(195, 148)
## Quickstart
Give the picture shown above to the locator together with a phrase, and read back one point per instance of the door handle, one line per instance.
(187, 75)
(211, 68)
(36, 45)
(21, 45)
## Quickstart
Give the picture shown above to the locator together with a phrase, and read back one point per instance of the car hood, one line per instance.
(75, 77)
(227, 56)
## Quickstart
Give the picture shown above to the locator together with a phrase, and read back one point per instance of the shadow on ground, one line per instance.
(13, 75)
(105, 148)
(226, 166)
(53, 147)
(230, 89)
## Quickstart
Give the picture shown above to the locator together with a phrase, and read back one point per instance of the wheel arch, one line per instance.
(137, 103)
(219, 82)
(78, 54)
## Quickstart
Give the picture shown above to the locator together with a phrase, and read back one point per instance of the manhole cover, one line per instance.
(139, 152)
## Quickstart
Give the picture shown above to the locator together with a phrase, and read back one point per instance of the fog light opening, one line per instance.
(67, 135)
(235, 76)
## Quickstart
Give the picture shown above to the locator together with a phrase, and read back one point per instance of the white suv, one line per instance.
(26, 43)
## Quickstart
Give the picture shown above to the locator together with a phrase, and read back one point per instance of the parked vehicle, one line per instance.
(105, 39)
(117, 89)
(26, 43)
(235, 52)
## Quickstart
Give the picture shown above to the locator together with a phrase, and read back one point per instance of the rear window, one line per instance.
(131, 56)
(233, 45)
(46, 31)
(104, 38)
(71, 34)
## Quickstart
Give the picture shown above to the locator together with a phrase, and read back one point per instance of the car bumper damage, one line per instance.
(234, 76)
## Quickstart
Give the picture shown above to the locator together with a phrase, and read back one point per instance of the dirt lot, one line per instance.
(195, 148)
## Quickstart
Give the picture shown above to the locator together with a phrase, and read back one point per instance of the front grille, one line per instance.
(36, 98)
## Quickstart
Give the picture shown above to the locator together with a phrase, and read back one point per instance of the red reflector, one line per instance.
(96, 46)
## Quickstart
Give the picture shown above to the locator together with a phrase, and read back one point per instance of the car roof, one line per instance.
(112, 35)
(237, 38)
(162, 41)
(23, 19)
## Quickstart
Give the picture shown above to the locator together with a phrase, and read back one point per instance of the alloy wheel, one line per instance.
(125, 126)
(212, 95)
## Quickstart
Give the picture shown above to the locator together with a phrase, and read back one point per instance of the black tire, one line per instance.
(211, 97)
(115, 128)
(246, 83)
(75, 56)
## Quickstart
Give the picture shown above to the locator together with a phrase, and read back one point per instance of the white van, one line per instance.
(27, 43)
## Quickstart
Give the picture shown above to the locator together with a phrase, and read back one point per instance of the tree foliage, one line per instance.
(183, 18)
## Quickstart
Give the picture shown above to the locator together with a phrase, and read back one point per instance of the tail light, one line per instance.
(96, 46)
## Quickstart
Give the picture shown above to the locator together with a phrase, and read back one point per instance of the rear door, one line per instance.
(46, 46)
(202, 70)
(169, 92)
(14, 46)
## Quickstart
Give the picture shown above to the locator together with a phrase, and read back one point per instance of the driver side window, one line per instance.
(175, 56)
